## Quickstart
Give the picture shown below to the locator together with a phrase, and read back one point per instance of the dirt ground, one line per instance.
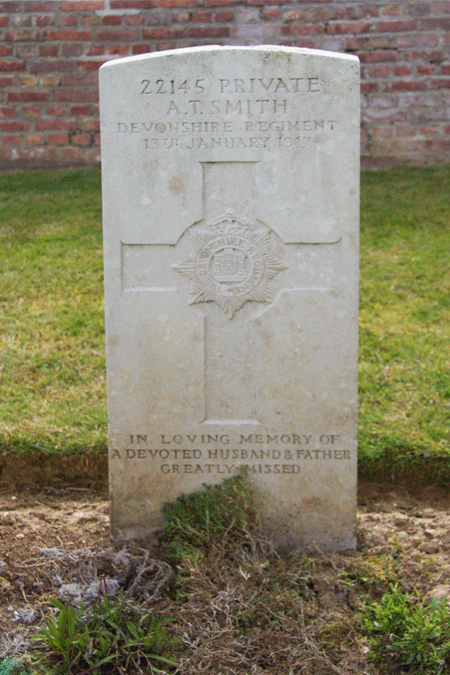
(55, 543)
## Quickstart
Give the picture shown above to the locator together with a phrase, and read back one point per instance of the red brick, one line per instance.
(162, 33)
(56, 110)
(14, 126)
(90, 65)
(354, 44)
(201, 17)
(81, 139)
(48, 50)
(445, 70)
(75, 79)
(427, 70)
(382, 132)
(401, 40)
(95, 50)
(382, 42)
(11, 140)
(430, 130)
(69, 34)
(36, 153)
(76, 95)
(349, 27)
(165, 46)
(180, 17)
(441, 6)
(8, 112)
(49, 80)
(440, 84)
(32, 111)
(28, 80)
(131, 4)
(80, 110)
(51, 66)
(68, 20)
(370, 12)
(134, 19)
(58, 139)
(70, 50)
(213, 32)
(377, 71)
(294, 15)
(91, 125)
(368, 87)
(402, 71)
(6, 51)
(344, 13)
(28, 96)
(122, 35)
(141, 49)
(303, 29)
(267, 15)
(392, 10)
(34, 139)
(53, 125)
(395, 26)
(4, 21)
(112, 20)
(373, 57)
(24, 36)
(10, 6)
(306, 44)
(319, 14)
(436, 24)
(405, 86)
(82, 5)
(447, 129)
(26, 51)
(6, 81)
(119, 50)
(226, 15)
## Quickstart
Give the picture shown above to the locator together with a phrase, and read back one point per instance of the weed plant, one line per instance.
(109, 636)
(13, 667)
(408, 634)
(197, 522)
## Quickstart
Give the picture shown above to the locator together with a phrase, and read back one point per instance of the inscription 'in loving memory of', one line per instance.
(284, 458)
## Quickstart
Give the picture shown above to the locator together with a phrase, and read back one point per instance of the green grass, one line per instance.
(51, 312)
(52, 380)
(404, 379)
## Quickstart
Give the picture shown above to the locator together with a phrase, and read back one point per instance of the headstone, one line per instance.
(230, 202)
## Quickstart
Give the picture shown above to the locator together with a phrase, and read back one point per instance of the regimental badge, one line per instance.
(230, 264)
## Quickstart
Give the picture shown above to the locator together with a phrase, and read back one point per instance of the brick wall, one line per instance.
(50, 52)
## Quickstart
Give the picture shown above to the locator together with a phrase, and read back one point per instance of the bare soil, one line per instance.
(55, 543)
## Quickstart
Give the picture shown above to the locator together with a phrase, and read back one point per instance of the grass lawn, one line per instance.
(52, 372)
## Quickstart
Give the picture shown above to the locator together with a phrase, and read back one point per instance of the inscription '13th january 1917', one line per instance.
(276, 104)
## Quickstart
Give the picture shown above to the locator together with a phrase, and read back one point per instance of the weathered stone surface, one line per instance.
(230, 197)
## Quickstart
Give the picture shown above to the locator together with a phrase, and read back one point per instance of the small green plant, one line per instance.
(13, 667)
(195, 522)
(402, 628)
(109, 636)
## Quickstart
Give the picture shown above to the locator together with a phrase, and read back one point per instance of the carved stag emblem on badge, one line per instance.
(230, 264)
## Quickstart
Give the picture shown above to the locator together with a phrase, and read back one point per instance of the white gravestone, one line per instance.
(230, 205)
